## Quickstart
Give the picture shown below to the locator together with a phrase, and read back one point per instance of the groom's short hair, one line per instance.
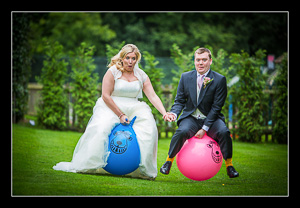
(203, 50)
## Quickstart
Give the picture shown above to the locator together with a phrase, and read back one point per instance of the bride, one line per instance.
(122, 85)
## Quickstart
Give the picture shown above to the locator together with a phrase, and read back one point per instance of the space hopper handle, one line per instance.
(132, 121)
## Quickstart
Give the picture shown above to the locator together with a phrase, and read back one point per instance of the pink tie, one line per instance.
(200, 81)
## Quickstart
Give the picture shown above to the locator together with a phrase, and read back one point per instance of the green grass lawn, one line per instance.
(263, 170)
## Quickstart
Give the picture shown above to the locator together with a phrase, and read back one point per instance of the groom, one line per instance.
(201, 95)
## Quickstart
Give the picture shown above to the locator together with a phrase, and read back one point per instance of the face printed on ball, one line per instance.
(119, 143)
(215, 153)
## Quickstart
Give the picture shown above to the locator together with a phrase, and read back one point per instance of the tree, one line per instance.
(185, 63)
(248, 94)
(157, 32)
(70, 29)
(280, 113)
(155, 75)
(111, 51)
(53, 106)
(84, 83)
(21, 65)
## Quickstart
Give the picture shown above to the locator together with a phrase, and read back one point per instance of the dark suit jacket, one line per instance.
(211, 100)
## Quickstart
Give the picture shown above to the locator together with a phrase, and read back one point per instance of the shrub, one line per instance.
(280, 113)
(53, 106)
(155, 75)
(84, 83)
(185, 63)
(248, 96)
(21, 65)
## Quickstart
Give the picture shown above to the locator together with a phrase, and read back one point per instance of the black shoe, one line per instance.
(165, 169)
(231, 172)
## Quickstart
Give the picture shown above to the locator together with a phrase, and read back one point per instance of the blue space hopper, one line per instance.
(124, 150)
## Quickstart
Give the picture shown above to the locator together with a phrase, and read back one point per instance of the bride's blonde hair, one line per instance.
(117, 59)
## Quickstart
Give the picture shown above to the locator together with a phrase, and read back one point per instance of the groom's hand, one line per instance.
(200, 133)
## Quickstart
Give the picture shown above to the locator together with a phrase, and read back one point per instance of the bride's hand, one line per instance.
(124, 119)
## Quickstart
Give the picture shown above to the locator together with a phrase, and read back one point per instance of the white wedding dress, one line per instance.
(91, 152)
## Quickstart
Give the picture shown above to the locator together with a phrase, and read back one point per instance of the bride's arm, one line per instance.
(154, 99)
(108, 83)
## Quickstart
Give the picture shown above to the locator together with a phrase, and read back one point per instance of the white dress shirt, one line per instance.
(197, 113)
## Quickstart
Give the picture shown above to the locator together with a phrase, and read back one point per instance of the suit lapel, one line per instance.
(204, 90)
(193, 87)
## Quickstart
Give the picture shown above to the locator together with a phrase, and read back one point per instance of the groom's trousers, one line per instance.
(189, 126)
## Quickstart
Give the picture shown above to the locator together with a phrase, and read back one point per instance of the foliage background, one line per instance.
(280, 113)
(248, 94)
(84, 84)
(234, 38)
(53, 105)
(157, 32)
(21, 65)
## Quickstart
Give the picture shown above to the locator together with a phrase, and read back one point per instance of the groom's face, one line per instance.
(202, 62)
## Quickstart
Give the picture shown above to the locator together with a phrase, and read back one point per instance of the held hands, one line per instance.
(169, 117)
